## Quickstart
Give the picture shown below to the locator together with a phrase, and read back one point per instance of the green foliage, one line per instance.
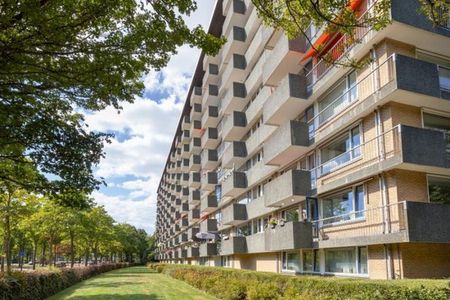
(59, 59)
(40, 285)
(239, 284)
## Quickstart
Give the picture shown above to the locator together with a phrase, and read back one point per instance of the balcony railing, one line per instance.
(381, 147)
(385, 219)
(338, 51)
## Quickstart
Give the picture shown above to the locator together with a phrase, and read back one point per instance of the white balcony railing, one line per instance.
(381, 220)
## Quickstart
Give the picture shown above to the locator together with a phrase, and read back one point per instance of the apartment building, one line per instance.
(285, 163)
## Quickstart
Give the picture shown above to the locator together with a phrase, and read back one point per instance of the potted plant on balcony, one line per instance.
(273, 222)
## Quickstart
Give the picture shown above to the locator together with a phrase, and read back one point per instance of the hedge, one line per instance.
(38, 285)
(232, 284)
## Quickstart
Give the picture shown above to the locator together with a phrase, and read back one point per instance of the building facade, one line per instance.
(283, 163)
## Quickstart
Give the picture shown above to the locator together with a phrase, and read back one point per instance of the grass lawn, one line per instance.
(131, 283)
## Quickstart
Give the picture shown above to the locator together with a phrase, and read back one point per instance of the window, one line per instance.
(439, 189)
(340, 96)
(311, 261)
(290, 215)
(257, 226)
(291, 261)
(342, 206)
(443, 64)
(243, 230)
(438, 122)
(225, 261)
(346, 260)
(340, 151)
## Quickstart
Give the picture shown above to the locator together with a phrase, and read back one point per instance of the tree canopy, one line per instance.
(61, 58)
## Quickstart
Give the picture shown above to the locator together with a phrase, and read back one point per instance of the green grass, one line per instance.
(131, 283)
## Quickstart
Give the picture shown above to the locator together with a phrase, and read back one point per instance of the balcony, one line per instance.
(234, 126)
(211, 75)
(210, 138)
(195, 180)
(235, 154)
(284, 58)
(185, 165)
(185, 179)
(208, 225)
(291, 235)
(196, 128)
(236, 43)
(185, 194)
(233, 245)
(234, 214)
(255, 108)
(235, 184)
(287, 143)
(287, 101)
(258, 44)
(288, 188)
(402, 147)
(210, 117)
(194, 197)
(257, 207)
(184, 223)
(193, 252)
(209, 159)
(194, 215)
(254, 80)
(195, 163)
(195, 145)
(196, 112)
(184, 208)
(211, 95)
(182, 238)
(185, 123)
(401, 222)
(256, 243)
(209, 181)
(235, 99)
(208, 203)
(259, 172)
(208, 249)
(185, 137)
(196, 96)
(235, 70)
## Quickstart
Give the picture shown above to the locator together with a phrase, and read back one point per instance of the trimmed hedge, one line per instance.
(38, 285)
(232, 284)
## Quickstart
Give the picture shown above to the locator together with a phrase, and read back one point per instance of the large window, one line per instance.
(290, 215)
(443, 65)
(291, 261)
(311, 261)
(340, 151)
(338, 98)
(439, 189)
(344, 206)
(438, 122)
(346, 260)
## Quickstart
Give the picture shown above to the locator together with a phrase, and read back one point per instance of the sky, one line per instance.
(144, 132)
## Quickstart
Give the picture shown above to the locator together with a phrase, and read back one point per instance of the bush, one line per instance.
(232, 284)
(43, 284)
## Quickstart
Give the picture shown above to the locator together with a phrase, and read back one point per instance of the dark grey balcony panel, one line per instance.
(239, 6)
(185, 176)
(194, 196)
(213, 111)
(184, 222)
(208, 225)
(197, 107)
(239, 61)
(193, 252)
(177, 201)
(239, 90)
(179, 162)
(239, 118)
(186, 147)
(239, 34)
(212, 154)
(211, 177)
(186, 133)
(183, 237)
(424, 147)
(197, 124)
(213, 69)
(239, 180)
(194, 214)
(196, 142)
(198, 90)
(196, 176)
(234, 214)
(212, 133)
(417, 76)
(297, 86)
(213, 90)
(185, 162)
(406, 12)
(196, 159)
(185, 207)
(239, 149)
(299, 44)
(208, 249)
(233, 245)
(293, 235)
(183, 253)
(192, 232)
(208, 203)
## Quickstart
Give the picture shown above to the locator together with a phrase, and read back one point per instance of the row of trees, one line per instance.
(38, 229)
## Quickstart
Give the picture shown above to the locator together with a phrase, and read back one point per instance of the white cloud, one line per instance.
(144, 132)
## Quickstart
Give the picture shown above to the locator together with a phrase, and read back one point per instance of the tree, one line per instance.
(60, 58)
(337, 16)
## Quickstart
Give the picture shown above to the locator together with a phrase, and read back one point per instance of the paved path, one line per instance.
(134, 283)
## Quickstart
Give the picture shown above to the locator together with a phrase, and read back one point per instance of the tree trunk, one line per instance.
(50, 254)
(86, 257)
(7, 237)
(72, 249)
(44, 248)
(34, 254)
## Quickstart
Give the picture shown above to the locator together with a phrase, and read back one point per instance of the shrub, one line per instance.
(232, 284)
(43, 284)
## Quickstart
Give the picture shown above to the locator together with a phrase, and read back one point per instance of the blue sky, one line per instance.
(143, 134)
